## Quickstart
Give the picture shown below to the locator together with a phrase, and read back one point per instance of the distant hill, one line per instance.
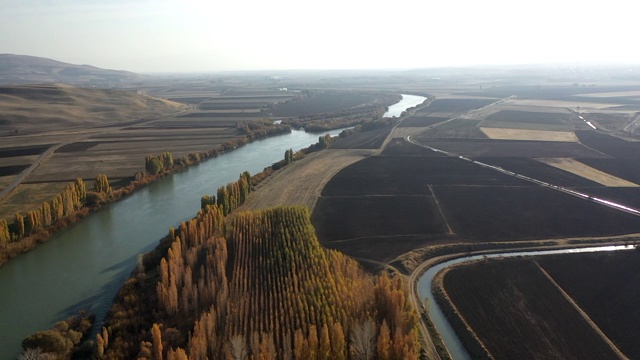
(28, 109)
(23, 69)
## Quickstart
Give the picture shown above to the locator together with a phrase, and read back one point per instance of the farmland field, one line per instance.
(454, 129)
(583, 170)
(544, 118)
(368, 216)
(500, 213)
(527, 134)
(322, 102)
(609, 145)
(538, 170)
(457, 105)
(371, 139)
(509, 148)
(517, 313)
(602, 285)
(421, 121)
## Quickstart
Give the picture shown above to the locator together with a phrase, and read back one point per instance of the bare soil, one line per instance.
(517, 313)
(341, 218)
(501, 213)
(510, 148)
(371, 139)
(605, 285)
(538, 170)
(612, 146)
(322, 102)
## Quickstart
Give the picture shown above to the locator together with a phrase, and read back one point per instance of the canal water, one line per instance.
(441, 323)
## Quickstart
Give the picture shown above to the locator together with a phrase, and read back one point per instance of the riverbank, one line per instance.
(139, 181)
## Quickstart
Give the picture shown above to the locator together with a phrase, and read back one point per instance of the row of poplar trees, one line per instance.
(64, 204)
(269, 291)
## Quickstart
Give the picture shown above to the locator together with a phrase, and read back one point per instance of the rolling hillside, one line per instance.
(23, 69)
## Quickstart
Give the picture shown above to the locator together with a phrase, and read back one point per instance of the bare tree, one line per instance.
(238, 347)
(363, 340)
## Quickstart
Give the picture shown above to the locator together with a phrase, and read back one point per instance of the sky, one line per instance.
(207, 36)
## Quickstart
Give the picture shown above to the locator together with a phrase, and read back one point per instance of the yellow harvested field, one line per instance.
(577, 168)
(302, 182)
(522, 134)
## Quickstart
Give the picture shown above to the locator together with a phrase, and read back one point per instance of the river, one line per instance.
(407, 101)
(84, 266)
(449, 337)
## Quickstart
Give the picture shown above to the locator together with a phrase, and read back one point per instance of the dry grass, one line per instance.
(41, 108)
(587, 172)
(302, 182)
(28, 197)
(535, 135)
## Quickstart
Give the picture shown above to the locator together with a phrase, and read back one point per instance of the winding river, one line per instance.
(84, 266)
(449, 337)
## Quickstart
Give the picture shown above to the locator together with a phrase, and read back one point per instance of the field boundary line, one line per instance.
(50, 151)
(446, 222)
(582, 313)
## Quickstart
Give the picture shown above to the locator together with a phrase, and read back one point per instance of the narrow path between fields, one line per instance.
(582, 313)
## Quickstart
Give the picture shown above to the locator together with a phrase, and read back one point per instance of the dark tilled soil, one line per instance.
(372, 139)
(457, 105)
(401, 175)
(510, 148)
(421, 121)
(627, 196)
(614, 147)
(400, 147)
(606, 286)
(488, 213)
(625, 168)
(78, 146)
(339, 218)
(519, 314)
(12, 169)
(538, 170)
(530, 117)
(23, 150)
(384, 248)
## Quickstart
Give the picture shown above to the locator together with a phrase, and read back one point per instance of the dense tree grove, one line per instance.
(269, 291)
(234, 194)
(60, 342)
(157, 164)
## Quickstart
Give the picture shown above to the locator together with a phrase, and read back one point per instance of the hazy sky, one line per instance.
(198, 35)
